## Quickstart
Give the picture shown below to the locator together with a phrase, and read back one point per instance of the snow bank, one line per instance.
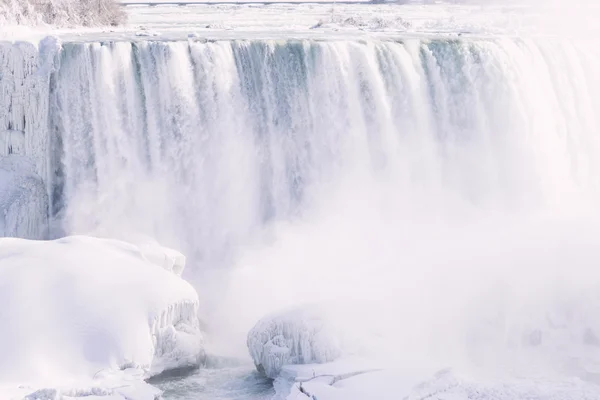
(301, 336)
(61, 12)
(444, 385)
(80, 308)
(119, 385)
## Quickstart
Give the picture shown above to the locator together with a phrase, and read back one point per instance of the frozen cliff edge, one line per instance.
(88, 310)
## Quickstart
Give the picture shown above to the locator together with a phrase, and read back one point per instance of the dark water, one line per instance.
(217, 381)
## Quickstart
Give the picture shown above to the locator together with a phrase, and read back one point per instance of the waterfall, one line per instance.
(201, 144)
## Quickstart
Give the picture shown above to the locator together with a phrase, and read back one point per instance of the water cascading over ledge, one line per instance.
(200, 144)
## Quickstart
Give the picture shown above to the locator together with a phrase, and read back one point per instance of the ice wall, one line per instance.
(24, 97)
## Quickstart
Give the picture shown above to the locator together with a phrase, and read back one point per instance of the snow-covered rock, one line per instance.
(82, 309)
(300, 336)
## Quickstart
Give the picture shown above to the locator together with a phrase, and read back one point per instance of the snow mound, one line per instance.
(79, 308)
(301, 336)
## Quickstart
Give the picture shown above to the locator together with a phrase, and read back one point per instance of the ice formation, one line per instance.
(23, 199)
(301, 336)
(102, 308)
(24, 100)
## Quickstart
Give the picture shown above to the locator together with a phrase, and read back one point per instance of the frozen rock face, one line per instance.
(24, 97)
(301, 336)
(23, 199)
(81, 307)
(24, 100)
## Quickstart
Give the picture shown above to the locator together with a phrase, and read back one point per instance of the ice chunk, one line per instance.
(79, 308)
(301, 336)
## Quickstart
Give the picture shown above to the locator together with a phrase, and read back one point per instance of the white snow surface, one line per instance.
(330, 20)
(60, 12)
(339, 382)
(85, 315)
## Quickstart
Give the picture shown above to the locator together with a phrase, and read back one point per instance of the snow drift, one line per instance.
(79, 307)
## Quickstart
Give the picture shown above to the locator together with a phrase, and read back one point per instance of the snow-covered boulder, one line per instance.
(80, 309)
(300, 336)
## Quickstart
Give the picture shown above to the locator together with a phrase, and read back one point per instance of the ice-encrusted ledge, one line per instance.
(176, 339)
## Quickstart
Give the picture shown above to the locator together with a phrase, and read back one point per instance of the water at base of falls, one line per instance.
(217, 381)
